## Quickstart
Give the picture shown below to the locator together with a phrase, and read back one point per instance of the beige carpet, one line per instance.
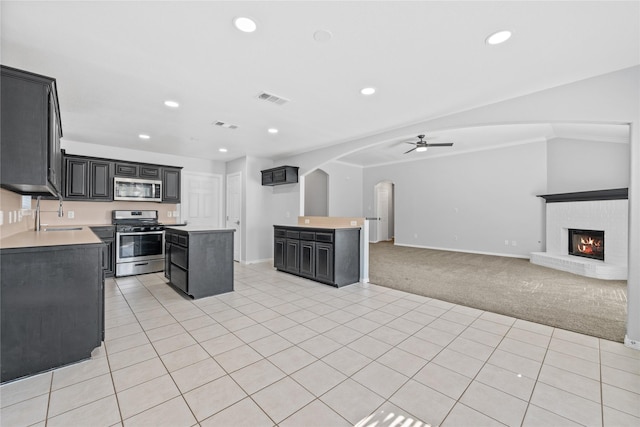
(509, 286)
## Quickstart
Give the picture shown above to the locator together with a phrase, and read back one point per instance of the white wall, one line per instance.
(574, 165)
(258, 229)
(316, 191)
(345, 189)
(470, 202)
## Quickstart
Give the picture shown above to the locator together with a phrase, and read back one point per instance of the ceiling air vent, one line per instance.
(278, 100)
(225, 125)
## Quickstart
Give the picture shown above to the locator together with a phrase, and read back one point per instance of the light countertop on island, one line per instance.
(32, 238)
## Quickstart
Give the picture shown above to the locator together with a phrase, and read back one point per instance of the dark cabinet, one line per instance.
(100, 180)
(76, 178)
(137, 170)
(31, 160)
(108, 235)
(91, 179)
(280, 175)
(324, 262)
(128, 170)
(87, 179)
(308, 259)
(326, 255)
(52, 307)
(170, 185)
(199, 261)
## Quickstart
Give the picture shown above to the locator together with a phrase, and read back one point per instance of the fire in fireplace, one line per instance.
(586, 243)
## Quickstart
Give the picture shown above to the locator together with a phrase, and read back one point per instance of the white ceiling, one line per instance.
(117, 62)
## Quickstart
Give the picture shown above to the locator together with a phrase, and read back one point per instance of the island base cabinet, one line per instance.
(199, 263)
(52, 307)
(330, 256)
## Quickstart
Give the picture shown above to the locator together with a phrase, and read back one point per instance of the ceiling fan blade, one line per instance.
(410, 150)
(409, 142)
(443, 144)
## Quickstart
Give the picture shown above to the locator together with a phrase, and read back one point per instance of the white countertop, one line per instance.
(42, 238)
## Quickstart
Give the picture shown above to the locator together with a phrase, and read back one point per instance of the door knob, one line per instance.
(237, 222)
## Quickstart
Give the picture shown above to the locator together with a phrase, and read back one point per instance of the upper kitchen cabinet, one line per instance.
(171, 185)
(88, 179)
(31, 131)
(280, 175)
(137, 170)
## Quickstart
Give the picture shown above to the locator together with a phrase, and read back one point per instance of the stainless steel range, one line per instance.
(139, 242)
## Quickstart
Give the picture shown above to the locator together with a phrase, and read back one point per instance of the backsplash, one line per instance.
(84, 213)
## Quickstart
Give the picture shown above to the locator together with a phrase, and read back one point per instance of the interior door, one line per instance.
(202, 202)
(234, 211)
(383, 214)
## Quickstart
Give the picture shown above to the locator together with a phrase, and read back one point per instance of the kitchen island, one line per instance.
(329, 255)
(199, 259)
(52, 305)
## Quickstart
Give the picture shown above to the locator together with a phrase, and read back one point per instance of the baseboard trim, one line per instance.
(464, 251)
(634, 344)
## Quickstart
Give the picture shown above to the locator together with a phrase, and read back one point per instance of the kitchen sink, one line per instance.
(63, 229)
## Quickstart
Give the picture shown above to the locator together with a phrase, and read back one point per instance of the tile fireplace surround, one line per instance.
(608, 215)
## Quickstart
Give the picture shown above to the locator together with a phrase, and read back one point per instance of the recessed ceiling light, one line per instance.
(368, 91)
(144, 136)
(244, 24)
(498, 37)
(272, 130)
(222, 150)
(172, 104)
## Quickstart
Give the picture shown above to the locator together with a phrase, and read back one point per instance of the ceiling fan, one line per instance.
(422, 145)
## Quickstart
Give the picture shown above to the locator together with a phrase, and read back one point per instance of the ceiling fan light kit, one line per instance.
(421, 145)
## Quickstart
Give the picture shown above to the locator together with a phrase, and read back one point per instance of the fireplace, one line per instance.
(586, 243)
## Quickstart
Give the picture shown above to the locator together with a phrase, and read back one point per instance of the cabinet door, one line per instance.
(100, 180)
(126, 169)
(307, 259)
(324, 262)
(149, 172)
(77, 178)
(170, 185)
(279, 253)
(292, 256)
(55, 153)
(108, 258)
(267, 177)
(279, 175)
(167, 257)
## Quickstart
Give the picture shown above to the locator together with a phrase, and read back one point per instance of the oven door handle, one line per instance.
(137, 233)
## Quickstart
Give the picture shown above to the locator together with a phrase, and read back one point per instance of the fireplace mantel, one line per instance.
(587, 196)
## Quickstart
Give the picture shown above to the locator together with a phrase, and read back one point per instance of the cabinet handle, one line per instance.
(141, 263)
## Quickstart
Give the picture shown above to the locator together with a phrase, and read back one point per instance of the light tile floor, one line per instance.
(281, 350)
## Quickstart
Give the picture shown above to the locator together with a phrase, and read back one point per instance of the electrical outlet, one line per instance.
(168, 214)
(10, 217)
(514, 243)
(71, 214)
(354, 222)
(306, 221)
(19, 216)
(506, 243)
(175, 214)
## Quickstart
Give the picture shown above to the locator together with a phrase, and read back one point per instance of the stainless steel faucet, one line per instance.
(60, 211)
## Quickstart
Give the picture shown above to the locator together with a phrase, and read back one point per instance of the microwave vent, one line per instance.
(225, 125)
(275, 99)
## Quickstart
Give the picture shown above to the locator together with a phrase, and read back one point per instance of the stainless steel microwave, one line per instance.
(142, 190)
